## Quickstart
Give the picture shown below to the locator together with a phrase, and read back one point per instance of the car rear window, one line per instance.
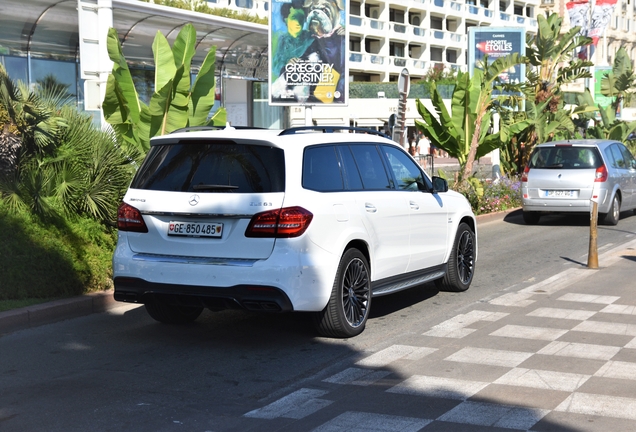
(212, 166)
(569, 157)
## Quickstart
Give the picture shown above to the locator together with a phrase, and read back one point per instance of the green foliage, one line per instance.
(488, 196)
(464, 131)
(174, 104)
(419, 90)
(43, 261)
(202, 7)
(620, 82)
(80, 171)
(609, 127)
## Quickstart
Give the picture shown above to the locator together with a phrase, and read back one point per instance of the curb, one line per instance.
(497, 216)
(58, 310)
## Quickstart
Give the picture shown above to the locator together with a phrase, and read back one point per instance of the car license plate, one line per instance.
(559, 193)
(195, 229)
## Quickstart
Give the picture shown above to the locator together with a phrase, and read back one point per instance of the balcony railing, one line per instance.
(419, 31)
(376, 59)
(399, 28)
(438, 3)
(399, 61)
(355, 21)
(376, 24)
(521, 20)
(504, 16)
(456, 6)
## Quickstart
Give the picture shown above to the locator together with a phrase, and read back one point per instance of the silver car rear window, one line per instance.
(212, 166)
(568, 157)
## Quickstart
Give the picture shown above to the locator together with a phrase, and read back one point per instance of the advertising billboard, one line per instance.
(497, 42)
(307, 52)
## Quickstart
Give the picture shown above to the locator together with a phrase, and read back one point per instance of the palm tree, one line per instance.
(57, 165)
(551, 55)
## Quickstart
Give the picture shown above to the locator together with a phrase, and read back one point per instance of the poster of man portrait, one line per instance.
(307, 51)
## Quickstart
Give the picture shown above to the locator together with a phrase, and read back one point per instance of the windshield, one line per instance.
(565, 157)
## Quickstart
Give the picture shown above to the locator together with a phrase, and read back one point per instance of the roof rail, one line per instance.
(208, 128)
(332, 129)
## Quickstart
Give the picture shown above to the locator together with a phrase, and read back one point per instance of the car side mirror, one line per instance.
(439, 185)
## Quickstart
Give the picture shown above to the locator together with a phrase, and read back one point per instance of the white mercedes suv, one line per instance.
(312, 219)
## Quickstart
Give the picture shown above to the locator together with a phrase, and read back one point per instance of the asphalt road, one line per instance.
(121, 371)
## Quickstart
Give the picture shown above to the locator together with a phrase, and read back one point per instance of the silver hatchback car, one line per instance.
(564, 176)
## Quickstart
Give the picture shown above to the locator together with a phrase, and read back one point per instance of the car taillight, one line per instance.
(524, 176)
(601, 174)
(130, 219)
(283, 223)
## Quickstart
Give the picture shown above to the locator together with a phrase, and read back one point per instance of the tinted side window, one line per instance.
(371, 168)
(610, 157)
(619, 159)
(212, 166)
(321, 169)
(406, 172)
(627, 156)
(351, 173)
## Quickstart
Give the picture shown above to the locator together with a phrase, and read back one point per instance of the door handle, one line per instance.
(370, 208)
(414, 205)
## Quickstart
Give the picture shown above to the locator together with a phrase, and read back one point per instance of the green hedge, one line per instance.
(420, 90)
(64, 259)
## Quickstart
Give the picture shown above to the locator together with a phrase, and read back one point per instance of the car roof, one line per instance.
(579, 143)
(296, 137)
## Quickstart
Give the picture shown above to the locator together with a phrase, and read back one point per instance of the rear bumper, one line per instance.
(297, 276)
(250, 297)
(565, 205)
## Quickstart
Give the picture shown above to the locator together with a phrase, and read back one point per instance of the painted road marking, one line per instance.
(445, 388)
(588, 298)
(571, 314)
(541, 379)
(527, 332)
(489, 357)
(579, 350)
(606, 328)
(357, 376)
(617, 369)
(486, 414)
(296, 405)
(363, 422)
(395, 352)
(593, 404)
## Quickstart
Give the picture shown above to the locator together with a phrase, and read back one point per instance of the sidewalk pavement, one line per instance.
(51, 312)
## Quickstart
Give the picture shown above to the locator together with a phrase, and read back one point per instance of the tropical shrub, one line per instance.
(175, 103)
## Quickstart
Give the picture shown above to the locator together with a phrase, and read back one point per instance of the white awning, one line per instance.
(329, 122)
(368, 122)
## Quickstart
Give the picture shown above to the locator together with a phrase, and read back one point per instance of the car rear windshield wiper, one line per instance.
(212, 187)
(556, 165)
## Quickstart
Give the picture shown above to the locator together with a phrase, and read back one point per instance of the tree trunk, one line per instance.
(474, 143)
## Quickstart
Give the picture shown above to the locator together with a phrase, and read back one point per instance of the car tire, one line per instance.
(171, 314)
(461, 264)
(348, 309)
(531, 218)
(614, 214)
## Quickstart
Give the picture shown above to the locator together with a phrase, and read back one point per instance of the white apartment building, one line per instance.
(621, 30)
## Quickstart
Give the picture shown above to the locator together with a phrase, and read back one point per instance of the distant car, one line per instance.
(564, 176)
(315, 219)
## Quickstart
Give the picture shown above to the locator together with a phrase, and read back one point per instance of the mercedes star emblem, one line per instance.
(194, 200)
